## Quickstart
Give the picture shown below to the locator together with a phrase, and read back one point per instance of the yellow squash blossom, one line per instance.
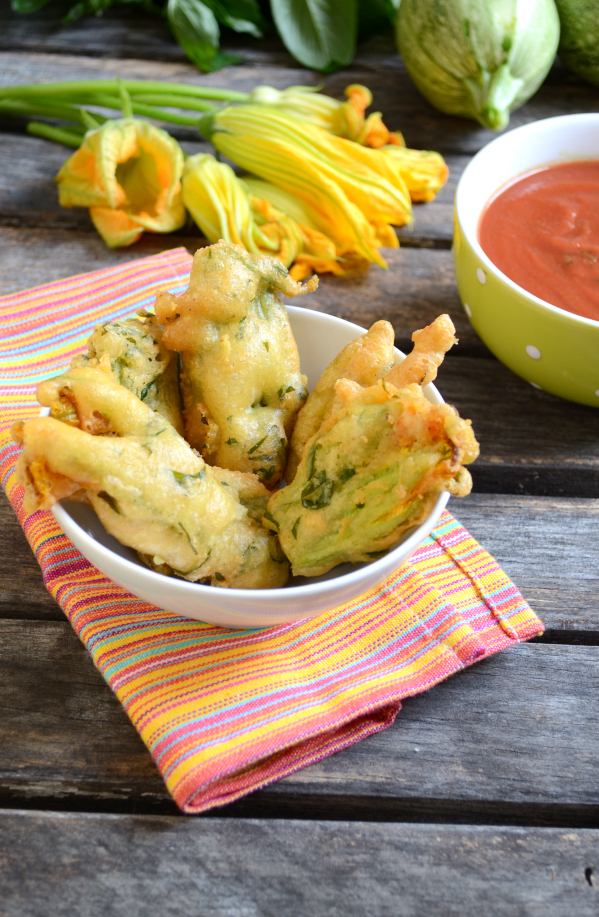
(423, 171)
(353, 192)
(344, 119)
(318, 254)
(224, 207)
(128, 173)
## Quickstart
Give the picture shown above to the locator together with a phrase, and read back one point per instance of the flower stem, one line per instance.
(58, 134)
(125, 98)
(175, 101)
(148, 111)
(47, 109)
(71, 90)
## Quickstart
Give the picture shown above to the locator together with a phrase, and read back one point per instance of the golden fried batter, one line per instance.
(364, 361)
(140, 362)
(430, 346)
(241, 379)
(373, 470)
(147, 486)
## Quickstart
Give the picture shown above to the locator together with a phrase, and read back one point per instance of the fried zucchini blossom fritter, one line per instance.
(373, 470)
(365, 361)
(147, 485)
(241, 380)
(368, 453)
(139, 361)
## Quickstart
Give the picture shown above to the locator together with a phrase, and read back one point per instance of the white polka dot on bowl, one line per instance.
(482, 277)
(533, 352)
(467, 310)
(597, 393)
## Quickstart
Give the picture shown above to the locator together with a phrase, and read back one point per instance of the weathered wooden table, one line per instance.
(484, 796)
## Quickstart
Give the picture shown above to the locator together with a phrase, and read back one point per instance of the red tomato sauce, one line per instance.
(542, 231)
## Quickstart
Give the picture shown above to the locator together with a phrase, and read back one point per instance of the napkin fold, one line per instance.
(226, 712)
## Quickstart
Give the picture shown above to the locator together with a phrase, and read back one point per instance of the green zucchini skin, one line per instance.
(480, 59)
(579, 39)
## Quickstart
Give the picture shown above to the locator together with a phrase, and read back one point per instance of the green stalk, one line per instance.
(174, 101)
(148, 111)
(72, 89)
(45, 109)
(58, 134)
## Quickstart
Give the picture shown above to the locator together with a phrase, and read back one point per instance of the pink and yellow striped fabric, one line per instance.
(224, 713)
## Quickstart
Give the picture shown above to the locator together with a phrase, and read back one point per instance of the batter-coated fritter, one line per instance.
(241, 380)
(148, 487)
(373, 470)
(364, 361)
(430, 346)
(140, 362)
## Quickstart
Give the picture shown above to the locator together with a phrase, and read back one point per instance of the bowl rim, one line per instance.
(377, 569)
(462, 188)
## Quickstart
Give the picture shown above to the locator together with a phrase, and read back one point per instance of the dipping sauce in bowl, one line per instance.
(542, 231)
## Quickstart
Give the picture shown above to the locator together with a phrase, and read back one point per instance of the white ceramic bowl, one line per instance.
(319, 339)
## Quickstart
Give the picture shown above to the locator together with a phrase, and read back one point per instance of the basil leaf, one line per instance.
(88, 8)
(392, 8)
(346, 474)
(239, 15)
(272, 519)
(195, 27)
(317, 492)
(373, 19)
(27, 6)
(110, 501)
(320, 34)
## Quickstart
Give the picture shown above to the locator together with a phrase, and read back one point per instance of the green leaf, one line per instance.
(392, 7)
(27, 6)
(239, 15)
(89, 8)
(110, 501)
(195, 27)
(320, 34)
(272, 519)
(373, 18)
(318, 491)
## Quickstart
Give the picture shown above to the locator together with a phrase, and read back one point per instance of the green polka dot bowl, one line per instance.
(552, 349)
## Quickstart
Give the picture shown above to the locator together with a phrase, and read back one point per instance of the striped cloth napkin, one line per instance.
(226, 712)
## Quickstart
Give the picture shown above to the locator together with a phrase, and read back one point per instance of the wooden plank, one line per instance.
(22, 590)
(33, 257)
(502, 740)
(394, 93)
(119, 34)
(418, 285)
(32, 200)
(100, 747)
(161, 867)
(142, 36)
(511, 739)
(531, 442)
(547, 546)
